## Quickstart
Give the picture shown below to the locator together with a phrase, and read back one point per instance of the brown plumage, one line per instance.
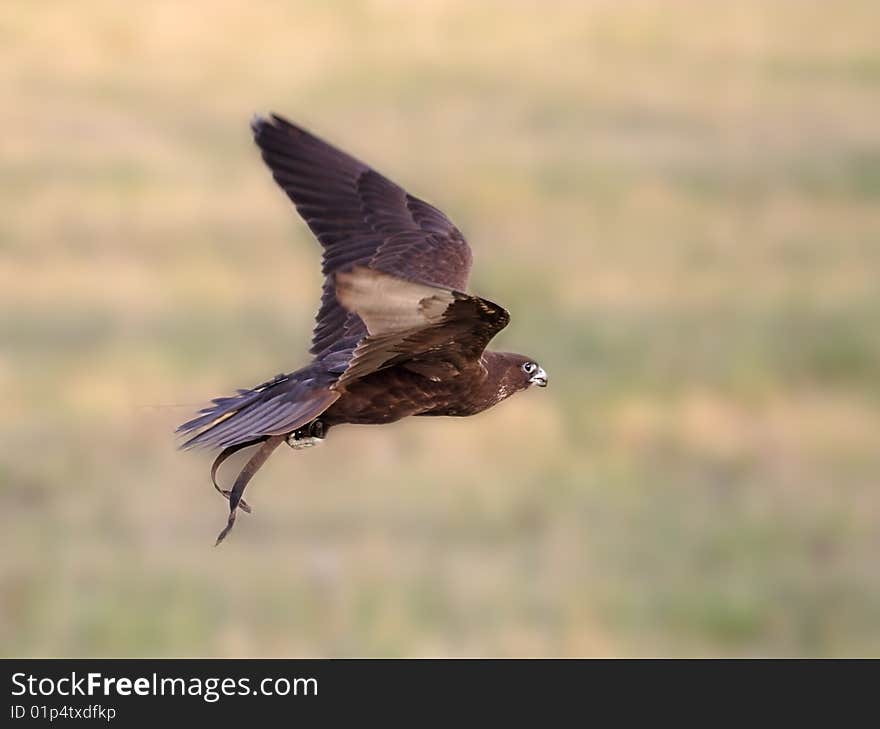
(395, 334)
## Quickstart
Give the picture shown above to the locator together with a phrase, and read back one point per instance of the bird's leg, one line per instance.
(244, 477)
(308, 436)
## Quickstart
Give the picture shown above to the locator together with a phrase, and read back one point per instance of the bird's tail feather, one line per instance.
(277, 407)
(222, 408)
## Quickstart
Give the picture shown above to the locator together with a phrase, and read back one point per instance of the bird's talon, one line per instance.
(299, 443)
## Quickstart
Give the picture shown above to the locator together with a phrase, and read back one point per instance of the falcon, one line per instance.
(395, 335)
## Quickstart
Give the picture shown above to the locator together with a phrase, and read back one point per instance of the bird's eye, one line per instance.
(529, 367)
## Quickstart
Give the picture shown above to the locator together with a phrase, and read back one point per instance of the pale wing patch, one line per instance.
(390, 304)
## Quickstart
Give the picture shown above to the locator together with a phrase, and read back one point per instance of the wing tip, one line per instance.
(261, 123)
(258, 121)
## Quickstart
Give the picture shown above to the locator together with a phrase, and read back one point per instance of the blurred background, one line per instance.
(677, 201)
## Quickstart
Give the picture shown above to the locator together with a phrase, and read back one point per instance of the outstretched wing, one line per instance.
(359, 217)
(434, 331)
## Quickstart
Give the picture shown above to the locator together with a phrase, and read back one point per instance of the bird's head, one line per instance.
(535, 373)
(517, 372)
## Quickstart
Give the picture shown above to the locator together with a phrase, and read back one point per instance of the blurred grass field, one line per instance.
(679, 203)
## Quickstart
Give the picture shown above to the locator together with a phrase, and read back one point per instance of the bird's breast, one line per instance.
(395, 393)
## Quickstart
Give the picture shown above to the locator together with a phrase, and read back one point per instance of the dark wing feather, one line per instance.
(424, 328)
(359, 217)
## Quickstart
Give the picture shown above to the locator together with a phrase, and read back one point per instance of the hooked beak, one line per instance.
(539, 378)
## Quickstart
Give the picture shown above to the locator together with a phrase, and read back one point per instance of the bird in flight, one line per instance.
(395, 334)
